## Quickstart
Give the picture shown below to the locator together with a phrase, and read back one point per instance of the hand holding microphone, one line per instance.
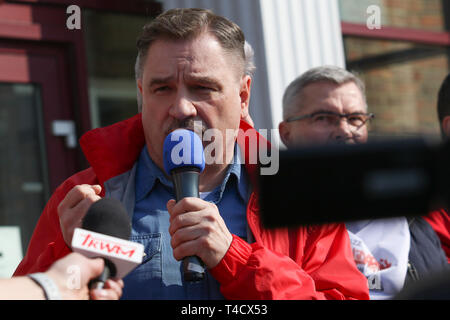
(76, 288)
(72, 212)
(196, 227)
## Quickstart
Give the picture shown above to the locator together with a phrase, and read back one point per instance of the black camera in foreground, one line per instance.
(340, 183)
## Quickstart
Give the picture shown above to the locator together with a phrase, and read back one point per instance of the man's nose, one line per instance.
(343, 130)
(182, 107)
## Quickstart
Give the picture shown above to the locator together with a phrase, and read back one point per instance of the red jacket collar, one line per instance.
(113, 150)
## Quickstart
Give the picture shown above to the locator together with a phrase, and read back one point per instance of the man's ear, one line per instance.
(446, 126)
(139, 98)
(285, 134)
(139, 85)
(244, 94)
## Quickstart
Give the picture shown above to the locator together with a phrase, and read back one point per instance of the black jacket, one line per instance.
(426, 255)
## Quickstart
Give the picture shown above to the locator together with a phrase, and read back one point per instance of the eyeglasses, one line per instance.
(330, 118)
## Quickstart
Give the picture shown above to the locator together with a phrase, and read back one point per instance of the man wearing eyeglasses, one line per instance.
(328, 105)
(324, 105)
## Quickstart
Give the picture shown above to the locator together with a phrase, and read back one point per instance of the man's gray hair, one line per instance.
(332, 74)
(138, 75)
(249, 69)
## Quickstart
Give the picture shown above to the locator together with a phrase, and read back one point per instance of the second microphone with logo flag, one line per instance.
(104, 234)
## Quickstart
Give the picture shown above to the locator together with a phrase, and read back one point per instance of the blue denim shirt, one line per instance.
(160, 275)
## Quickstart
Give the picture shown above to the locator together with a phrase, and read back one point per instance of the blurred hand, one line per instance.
(74, 207)
(73, 273)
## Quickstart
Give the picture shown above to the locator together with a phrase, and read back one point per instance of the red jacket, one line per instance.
(440, 222)
(302, 263)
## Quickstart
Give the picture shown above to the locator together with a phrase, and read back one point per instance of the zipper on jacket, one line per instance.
(413, 271)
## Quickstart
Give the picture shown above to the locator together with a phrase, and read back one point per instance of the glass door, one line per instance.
(24, 185)
(38, 138)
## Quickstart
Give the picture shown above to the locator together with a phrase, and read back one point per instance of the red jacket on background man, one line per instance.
(440, 222)
(301, 263)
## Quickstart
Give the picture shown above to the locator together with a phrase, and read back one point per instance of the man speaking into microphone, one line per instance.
(191, 69)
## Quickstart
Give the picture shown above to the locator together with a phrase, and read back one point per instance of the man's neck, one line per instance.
(212, 177)
(213, 174)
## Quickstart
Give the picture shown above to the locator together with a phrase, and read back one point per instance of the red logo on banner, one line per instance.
(107, 246)
(365, 258)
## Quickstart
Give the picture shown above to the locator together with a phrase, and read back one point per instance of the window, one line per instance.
(111, 54)
(402, 64)
(24, 186)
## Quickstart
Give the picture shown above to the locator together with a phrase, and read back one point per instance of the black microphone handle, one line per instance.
(109, 271)
(185, 181)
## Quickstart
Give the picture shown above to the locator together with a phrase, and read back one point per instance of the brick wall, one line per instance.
(419, 14)
(402, 78)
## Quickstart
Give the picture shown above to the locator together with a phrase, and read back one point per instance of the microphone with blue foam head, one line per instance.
(184, 160)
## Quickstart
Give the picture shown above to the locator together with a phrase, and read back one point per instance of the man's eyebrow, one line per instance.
(324, 110)
(157, 81)
(331, 111)
(205, 80)
(200, 79)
